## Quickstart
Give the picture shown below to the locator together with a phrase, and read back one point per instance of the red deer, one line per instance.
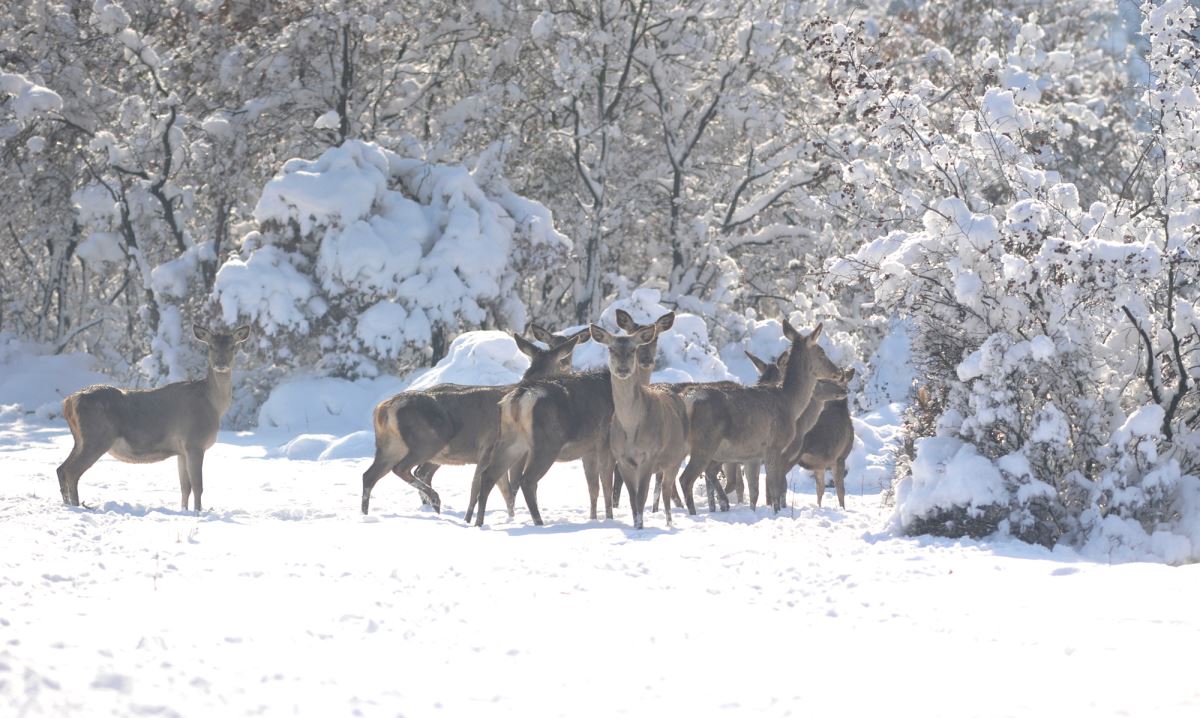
(648, 434)
(756, 423)
(450, 424)
(143, 426)
(827, 445)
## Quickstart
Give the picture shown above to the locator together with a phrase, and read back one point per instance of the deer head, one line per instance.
(547, 362)
(623, 357)
(629, 326)
(221, 345)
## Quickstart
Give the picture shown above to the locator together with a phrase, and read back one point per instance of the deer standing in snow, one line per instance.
(143, 426)
(755, 423)
(648, 433)
(827, 443)
(451, 423)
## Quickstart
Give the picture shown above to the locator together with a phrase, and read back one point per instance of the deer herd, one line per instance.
(624, 429)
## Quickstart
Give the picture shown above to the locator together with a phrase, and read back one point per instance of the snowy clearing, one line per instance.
(281, 599)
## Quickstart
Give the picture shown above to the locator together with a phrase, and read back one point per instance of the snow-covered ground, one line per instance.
(282, 599)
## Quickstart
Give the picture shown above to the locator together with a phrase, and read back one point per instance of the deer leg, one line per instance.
(195, 469)
(733, 480)
(776, 484)
(751, 472)
(591, 474)
(818, 476)
(506, 492)
(713, 487)
(82, 456)
(376, 471)
(541, 458)
(687, 479)
(498, 460)
(839, 481)
(185, 484)
(607, 484)
(429, 497)
(616, 499)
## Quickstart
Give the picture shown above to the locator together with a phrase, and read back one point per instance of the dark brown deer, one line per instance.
(451, 424)
(755, 423)
(549, 420)
(142, 426)
(827, 445)
(770, 373)
(648, 434)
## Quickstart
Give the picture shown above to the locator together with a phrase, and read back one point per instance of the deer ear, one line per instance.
(789, 332)
(598, 334)
(665, 322)
(542, 335)
(815, 334)
(759, 365)
(527, 348)
(848, 375)
(645, 335)
(625, 322)
(242, 333)
(782, 360)
(201, 333)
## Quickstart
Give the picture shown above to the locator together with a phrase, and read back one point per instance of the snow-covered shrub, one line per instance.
(366, 261)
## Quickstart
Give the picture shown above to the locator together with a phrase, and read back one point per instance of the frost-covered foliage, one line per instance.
(1051, 299)
(367, 260)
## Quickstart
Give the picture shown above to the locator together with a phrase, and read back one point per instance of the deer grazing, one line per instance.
(451, 423)
(756, 423)
(142, 426)
(649, 429)
(827, 444)
(558, 419)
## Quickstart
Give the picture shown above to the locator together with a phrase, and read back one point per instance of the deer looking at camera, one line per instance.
(143, 426)
(649, 429)
(755, 423)
(452, 423)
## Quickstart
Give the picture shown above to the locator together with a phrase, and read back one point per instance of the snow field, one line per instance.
(282, 599)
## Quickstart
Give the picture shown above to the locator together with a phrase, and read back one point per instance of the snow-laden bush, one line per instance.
(366, 261)
(1046, 304)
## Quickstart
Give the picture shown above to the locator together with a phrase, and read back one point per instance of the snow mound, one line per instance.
(947, 474)
(33, 379)
(326, 405)
(482, 358)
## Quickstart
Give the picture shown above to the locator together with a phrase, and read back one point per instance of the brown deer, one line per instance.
(451, 423)
(143, 426)
(827, 444)
(648, 434)
(770, 373)
(755, 423)
(549, 420)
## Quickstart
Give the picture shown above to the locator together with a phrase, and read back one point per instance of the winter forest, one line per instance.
(992, 208)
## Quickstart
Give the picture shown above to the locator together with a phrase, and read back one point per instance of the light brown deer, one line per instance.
(142, 426)
(755, 423)
(827, 445)
(549, 420)
(648, 434)
(451, 423)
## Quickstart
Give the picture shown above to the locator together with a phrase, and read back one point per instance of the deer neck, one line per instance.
(218, 388)
(799, 381)
(629, 399)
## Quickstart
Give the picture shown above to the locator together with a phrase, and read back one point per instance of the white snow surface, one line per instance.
(282, 599)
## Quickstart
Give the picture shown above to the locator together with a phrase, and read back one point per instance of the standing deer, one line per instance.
(558, 419)
(648, 434)
(827, 444)
(755, 423)
(769, 374)
(142, 426)
(451, 423)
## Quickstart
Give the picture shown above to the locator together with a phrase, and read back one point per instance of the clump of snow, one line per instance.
(265, 288)
(481, 358)
(28, 98)
(337, 188)
(99, 248)
(947, 474)
(328, 121)
(326, 405)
